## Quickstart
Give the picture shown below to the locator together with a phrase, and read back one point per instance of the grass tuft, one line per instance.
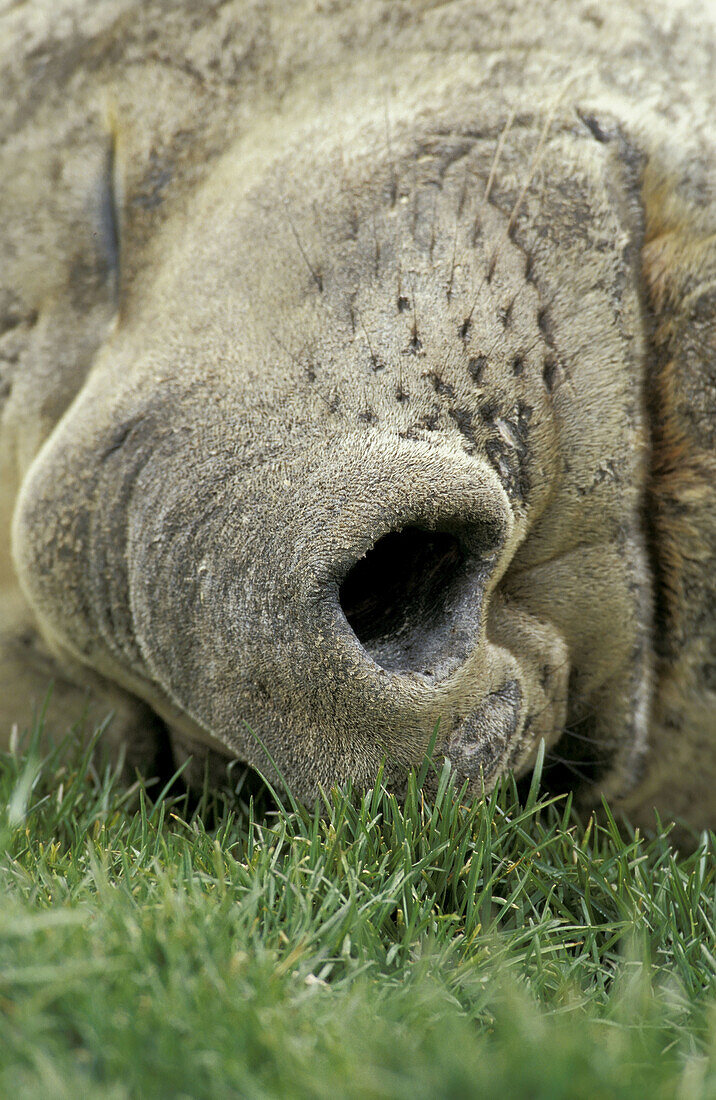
(367, 947)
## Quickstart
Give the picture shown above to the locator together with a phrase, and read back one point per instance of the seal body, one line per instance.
(358, 381)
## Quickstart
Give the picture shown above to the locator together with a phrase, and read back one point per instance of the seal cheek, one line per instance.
(481, 742)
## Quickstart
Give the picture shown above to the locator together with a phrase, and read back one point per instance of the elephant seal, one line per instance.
(358, 380)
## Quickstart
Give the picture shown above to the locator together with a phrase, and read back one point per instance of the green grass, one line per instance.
(371, 949)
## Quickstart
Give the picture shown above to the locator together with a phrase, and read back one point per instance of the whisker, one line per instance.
(534, 163)
(315, 274)
(498, 153)
(391, 159)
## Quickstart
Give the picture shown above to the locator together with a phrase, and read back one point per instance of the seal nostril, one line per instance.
(401, 599)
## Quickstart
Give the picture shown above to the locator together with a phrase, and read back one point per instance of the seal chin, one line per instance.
(484, 741)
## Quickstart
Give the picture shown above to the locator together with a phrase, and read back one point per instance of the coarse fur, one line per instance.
(357, 377)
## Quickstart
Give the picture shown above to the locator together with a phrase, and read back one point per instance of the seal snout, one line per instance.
(342, 634)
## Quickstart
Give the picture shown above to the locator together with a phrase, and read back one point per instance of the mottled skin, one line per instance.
(281, 281)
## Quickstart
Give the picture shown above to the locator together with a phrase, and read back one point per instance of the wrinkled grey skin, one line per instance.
(358, 375)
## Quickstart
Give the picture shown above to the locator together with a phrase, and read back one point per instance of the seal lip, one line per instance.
(484, 739)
